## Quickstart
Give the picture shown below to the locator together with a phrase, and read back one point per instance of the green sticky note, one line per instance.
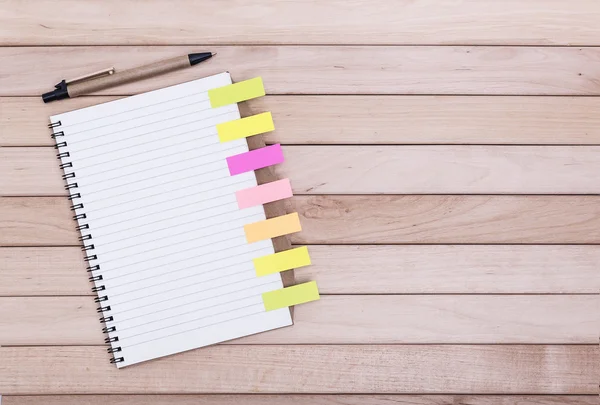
(286, 297)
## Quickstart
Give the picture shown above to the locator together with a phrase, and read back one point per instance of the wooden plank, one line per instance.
(346, 319)
(430, 269)
(436, 169)
(409, 269)
(349, 119)
(43, 271)
(24, 120)
(535, 22)
(325, 70)
(314, 369)
(24, 175)
(449, 219)
(301, 399)
(61, 314)
(376, 170)
(48, 221)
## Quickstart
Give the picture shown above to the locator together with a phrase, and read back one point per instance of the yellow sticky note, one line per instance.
(282, 261)
(286, 297)
(234, 93)
(270, 228)
(242, 128)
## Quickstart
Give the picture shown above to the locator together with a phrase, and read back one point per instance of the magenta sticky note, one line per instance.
(265, 193)
(255, 159)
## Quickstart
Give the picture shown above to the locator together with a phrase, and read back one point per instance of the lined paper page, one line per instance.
(164, 221)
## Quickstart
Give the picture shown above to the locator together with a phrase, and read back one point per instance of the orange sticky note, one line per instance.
(271, 228)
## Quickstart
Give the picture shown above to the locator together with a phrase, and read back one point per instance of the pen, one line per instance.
(109, 77)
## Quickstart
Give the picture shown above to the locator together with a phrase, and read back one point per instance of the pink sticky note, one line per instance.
(265, 193)
(255, 159)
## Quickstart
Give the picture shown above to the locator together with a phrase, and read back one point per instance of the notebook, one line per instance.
(164, 192)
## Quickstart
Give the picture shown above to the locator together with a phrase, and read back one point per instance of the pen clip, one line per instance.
(100, 73)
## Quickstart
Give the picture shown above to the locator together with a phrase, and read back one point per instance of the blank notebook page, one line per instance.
(167, 244)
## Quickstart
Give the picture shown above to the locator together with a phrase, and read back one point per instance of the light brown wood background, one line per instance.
(445, 156)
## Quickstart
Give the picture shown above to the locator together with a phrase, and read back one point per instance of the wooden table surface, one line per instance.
(445, 158)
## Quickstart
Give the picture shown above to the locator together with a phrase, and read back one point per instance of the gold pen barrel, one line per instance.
(127, 76)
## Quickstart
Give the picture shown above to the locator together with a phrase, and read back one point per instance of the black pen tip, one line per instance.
(196, 58)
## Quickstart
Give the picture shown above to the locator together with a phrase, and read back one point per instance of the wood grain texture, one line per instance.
(511, 369)
(61, 314)
(368, 119)
(441, 169)
(376, 170)
(355, 319)
(535, 22)
(302, 400)
(431, 269)
(409, 269)
(43, 271)
(24, 175)
(325, 70)
(448, 219)
(18, 225)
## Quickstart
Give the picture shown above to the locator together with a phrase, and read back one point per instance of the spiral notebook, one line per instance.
(179, 248)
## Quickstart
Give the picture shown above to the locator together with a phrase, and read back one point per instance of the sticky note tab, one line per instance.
(234, 93)
(255, 159)
(265, 193)
(282, 261)
(244, 127)
(286, 297)
(271, 228)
